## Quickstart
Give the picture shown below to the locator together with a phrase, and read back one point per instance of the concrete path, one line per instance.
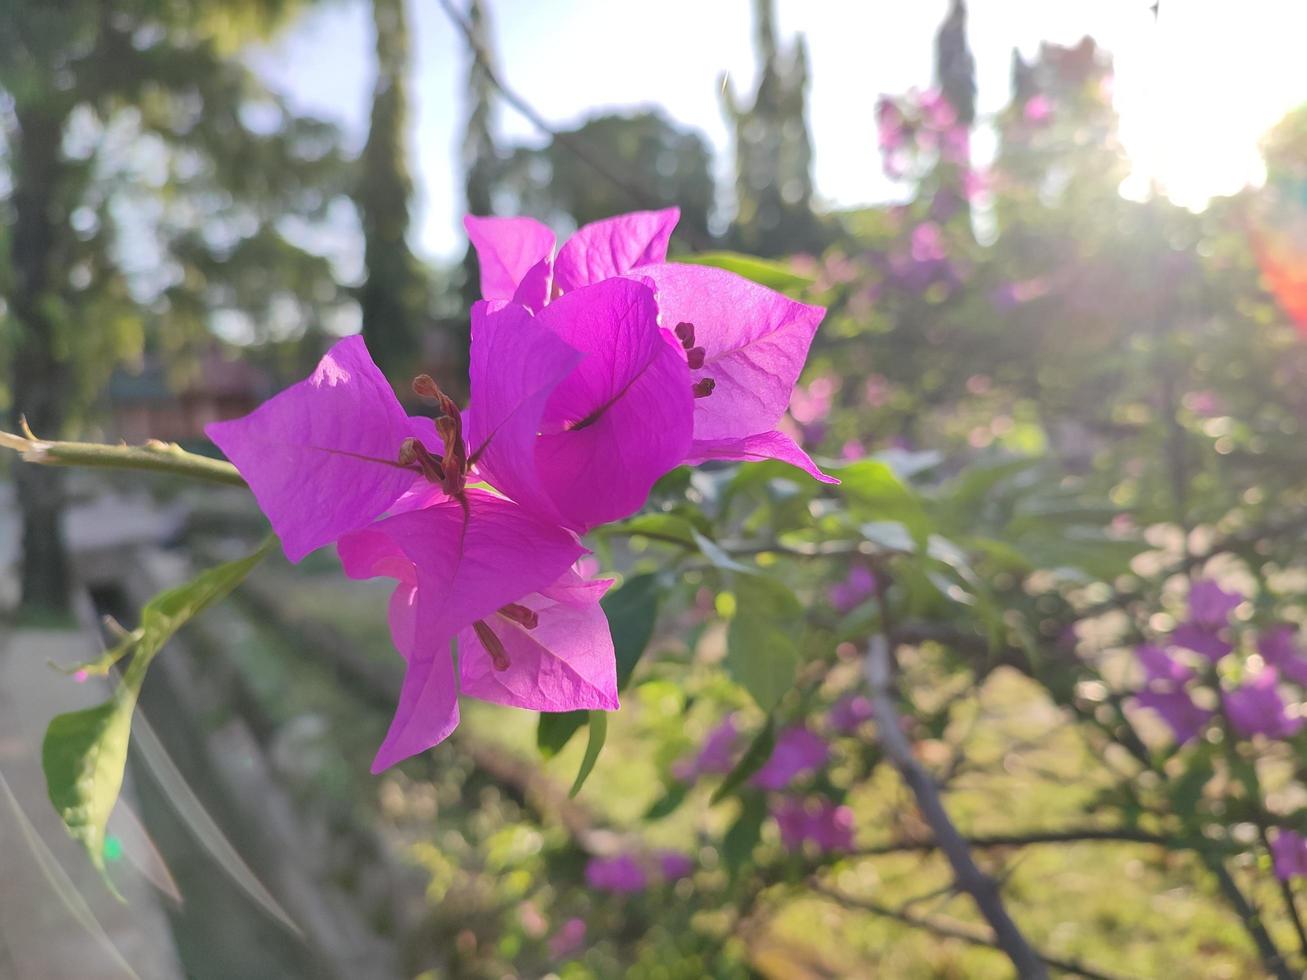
(58, 921)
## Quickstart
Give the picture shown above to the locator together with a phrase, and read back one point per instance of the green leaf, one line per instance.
(556, 729)
(762, 649)
(83, 755)
(754, 758)
(744, 834)
(671, 528)
(669, 802)
(632, 612)
(715, 554)
(773, 275)
(84, 752)
(874, 491)
(598, 734)
(889, 536)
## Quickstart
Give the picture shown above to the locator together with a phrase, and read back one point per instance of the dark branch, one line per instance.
(967, 875)
(952, 931)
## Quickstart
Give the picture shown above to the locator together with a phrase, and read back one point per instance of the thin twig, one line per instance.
(1070, 836)
(156, 456)
(1250, 917)
(967, 874)
(959, 932)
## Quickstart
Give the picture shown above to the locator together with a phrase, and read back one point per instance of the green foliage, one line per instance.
(762, 646)
(85, 752)
(598, 734)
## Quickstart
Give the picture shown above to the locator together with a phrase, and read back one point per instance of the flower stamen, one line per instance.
(493, 644)
(515, 612)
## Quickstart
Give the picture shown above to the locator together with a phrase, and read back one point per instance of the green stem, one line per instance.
(160, 457)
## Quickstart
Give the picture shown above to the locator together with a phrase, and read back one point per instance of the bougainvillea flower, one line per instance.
(747, 345)
(322, 457)
(1278, 646)
(1289, 854)
(673, 865)
(600, 435)
(826, 825)
(1160, 667)
(1185, 719)
(1038, 109)
(569, 938)
(471, 562)
(1210, 605)
(1256, 708)
(743, 343)
(623, 874)
(559, 651)
(517, 260)
(716, 756)
(1208, 641)
(849, 713)
(854, 589)
(798, 751)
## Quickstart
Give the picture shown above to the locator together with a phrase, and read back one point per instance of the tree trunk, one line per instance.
(39, 371)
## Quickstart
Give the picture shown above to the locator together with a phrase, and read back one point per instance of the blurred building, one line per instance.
(147, 402)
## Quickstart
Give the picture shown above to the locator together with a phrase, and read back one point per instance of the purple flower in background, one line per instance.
(849, 713)
(1160, 666)
(855, 588)
(810, 405)
(715, 756)
(1185, 719)
(621, 875)
(1278, 646)
(568, 939)
(1038, 109)
(1200, 639)
(1256, 708)
(890, 125)
(673, 865)
(852, 449)
(928, 243)
(937, 111)
(1210, 606)
(828, 826)
(798, 751)
(1289, 854)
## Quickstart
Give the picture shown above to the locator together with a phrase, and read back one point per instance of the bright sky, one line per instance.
(1195, 90)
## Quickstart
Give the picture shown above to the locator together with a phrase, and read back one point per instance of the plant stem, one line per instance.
(156, 456)
(966, 873)
(950, 931)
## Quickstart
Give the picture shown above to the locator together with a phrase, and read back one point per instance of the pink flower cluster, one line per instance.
(1255, 706)
(802, 816)
(594, 371)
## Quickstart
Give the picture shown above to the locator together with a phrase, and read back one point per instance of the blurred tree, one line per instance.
(480, 157)
(396, 295)
(154, 191)
(773, 150)
(671, 166)
(955, 68)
